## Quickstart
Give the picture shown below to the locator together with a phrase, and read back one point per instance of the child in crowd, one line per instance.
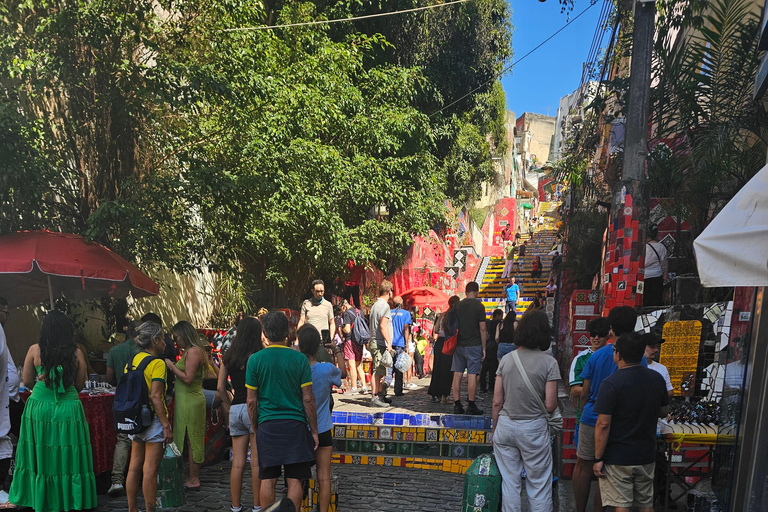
(324, 377)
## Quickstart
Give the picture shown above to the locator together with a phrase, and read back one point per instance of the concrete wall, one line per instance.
(536, 132)
(571, 106)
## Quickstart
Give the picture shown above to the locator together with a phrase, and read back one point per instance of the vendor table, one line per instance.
(692, 467)
(98, 414)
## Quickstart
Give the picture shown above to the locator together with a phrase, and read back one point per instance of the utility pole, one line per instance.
(625, 251)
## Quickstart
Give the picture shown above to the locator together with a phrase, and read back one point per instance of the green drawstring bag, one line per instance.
(170, 479)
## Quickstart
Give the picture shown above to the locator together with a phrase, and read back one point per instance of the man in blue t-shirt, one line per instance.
(599, 367)
(401, 334)
(512, 294)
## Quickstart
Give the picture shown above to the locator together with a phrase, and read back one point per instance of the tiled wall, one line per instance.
(427, 441)
(624, 258)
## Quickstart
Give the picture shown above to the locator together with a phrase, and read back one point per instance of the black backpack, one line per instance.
(131, 412)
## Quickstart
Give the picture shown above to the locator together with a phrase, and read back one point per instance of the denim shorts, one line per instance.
(154, 434)
(469, 358)
(239, 421)
(504, 349)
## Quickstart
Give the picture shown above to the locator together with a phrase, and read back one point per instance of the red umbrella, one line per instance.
(37, 265)
(425, 296)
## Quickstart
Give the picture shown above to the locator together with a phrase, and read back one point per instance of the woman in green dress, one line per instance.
(54, 462)
(189, 409)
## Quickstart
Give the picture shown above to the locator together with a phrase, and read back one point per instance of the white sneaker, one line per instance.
(354, 390)
(363, 390)
(411, 385)
(116, 489)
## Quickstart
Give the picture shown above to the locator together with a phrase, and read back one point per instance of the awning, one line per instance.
(733, 249)
(528, 206)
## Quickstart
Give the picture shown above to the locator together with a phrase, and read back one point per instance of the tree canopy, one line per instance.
(284, 153)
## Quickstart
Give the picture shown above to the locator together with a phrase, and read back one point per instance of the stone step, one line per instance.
(448, 465)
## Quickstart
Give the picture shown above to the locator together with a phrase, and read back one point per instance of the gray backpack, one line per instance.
(360, 332)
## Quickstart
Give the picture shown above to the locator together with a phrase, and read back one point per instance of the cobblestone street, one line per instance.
(360, 487)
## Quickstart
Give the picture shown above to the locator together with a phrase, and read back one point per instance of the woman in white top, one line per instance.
(655, 268)
(520, 430)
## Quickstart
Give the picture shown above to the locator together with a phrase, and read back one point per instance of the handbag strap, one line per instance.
(527, 382)
(658, 258)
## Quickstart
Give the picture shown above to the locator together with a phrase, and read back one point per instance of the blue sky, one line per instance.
(553, 70)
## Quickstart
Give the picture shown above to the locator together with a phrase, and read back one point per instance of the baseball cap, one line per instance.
(651, 338)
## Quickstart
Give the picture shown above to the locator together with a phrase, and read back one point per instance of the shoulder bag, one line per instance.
(449, 345)
(554, 418)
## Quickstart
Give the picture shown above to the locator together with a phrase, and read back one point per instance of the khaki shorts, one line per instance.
(627, 486)
(586, 448)
(377, 353)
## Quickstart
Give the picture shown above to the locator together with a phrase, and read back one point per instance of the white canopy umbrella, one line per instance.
(733, 249)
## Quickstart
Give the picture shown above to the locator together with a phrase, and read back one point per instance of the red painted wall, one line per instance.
(504, 211)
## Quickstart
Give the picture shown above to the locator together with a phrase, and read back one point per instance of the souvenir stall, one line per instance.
(40, 266)
(732, 251)
(702, 350)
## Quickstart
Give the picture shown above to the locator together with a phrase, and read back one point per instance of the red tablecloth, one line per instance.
(98, 414)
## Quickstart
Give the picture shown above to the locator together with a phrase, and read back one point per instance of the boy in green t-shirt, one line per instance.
(281, 403)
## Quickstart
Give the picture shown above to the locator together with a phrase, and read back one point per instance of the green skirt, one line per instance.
(54, 463)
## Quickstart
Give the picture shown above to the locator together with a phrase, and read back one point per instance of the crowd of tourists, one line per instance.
(276, 398)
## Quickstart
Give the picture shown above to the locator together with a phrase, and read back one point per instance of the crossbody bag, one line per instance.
(554, 418)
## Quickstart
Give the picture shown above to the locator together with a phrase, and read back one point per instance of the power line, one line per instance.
(326, 22)
(473, 91)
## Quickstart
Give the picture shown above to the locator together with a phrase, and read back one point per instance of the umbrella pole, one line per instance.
(50, 292)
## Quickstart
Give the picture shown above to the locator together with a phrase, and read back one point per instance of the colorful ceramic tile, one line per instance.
(432, 435)
(340, 431)
(361, 434)
(459, 451)
(370, 434)
(385, 433)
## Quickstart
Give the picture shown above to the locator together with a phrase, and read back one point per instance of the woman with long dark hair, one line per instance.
(246, 343)
(189, 414)
(54, 462)
(442, 377)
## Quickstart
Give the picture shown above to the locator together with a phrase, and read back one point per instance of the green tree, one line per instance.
(149, 128)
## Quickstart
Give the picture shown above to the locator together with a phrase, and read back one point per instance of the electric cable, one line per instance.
(339, 20)
(503, 71)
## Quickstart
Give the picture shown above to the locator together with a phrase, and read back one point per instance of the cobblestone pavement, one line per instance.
(361, 488)
(413, 400)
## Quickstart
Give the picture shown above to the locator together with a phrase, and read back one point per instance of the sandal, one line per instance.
(8, 506)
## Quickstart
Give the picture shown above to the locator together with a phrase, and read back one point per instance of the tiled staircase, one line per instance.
(489, 275)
